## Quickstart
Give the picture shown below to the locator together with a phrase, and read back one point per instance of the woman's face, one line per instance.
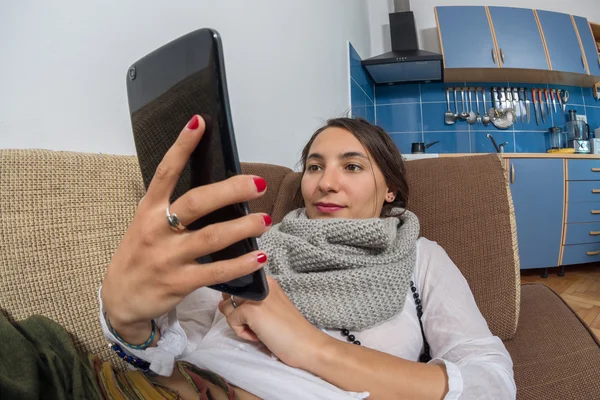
(340, 180)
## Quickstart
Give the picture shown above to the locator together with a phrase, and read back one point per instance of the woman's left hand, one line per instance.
(277, 323)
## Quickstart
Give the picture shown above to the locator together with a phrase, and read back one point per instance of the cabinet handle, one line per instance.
(512, 173)
(494, 56)
(595, 190)
(595, 211)
(594, 233)
(595, 169)
(502, 55)
(593, 253)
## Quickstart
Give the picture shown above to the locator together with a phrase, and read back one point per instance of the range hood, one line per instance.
(405, 63)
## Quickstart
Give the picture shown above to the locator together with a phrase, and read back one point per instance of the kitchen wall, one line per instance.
(415, 113)
(64, 62)
(362, 89)
(425, 19)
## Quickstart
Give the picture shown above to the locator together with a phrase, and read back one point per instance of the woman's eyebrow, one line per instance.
(348, 154)
(351, 154)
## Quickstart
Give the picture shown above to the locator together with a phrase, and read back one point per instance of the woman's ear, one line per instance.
(390, 196)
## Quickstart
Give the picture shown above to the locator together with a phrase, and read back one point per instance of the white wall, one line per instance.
(63, 66)
(425, 20)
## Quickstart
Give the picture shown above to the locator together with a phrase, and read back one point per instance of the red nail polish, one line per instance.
(261, 184)
(194, 123)
(268, 220)
(261, 258)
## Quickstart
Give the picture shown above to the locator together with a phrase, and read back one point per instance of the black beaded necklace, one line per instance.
(426, 356)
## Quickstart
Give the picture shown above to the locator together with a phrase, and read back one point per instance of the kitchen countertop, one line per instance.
(409, 157)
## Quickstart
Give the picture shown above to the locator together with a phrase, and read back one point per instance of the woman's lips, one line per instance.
(328, 208)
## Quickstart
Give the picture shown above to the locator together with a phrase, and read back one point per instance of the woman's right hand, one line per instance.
(154, 267)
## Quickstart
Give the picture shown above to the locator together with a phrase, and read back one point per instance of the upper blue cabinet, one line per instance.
(562, 42)
(466, 37)
(519, 39)
(589, 45)
(506, 43)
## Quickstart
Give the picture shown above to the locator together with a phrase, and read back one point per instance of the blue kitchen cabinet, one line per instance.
(537, 187)
(589, 45)
(466, 37)
(562, 42)
(519, 39)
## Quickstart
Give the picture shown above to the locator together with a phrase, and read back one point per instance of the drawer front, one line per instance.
(583, 233)
(580, 191)
(581, 253)
(583, 170)
(583, 212)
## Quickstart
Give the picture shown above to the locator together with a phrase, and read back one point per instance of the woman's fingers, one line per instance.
(168, 171)
(236, 320)
(218, 236)
(196, 275)
(203, 200)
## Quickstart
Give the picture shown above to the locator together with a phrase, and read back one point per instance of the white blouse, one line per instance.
(477, 363)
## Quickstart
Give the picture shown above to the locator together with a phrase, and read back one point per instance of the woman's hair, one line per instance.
(382, 149)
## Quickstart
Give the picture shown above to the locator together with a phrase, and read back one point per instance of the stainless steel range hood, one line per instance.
(405, 63)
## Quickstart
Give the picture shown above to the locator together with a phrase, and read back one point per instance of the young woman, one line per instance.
(359, 305)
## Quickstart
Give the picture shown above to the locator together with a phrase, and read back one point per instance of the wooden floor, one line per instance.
(580, 287)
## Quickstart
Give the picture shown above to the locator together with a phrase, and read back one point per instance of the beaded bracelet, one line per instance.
(136, 362)
(142, 346)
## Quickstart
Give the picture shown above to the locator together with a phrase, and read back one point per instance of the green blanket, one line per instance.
(39, 360)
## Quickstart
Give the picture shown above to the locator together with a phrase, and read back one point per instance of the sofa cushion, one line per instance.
(274, 175)
(464, 204)
(62, 216)
(555, 355)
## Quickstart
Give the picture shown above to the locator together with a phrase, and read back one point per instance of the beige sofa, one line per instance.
(62, 215)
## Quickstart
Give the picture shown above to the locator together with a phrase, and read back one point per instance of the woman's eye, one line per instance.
(313, 168)
(354, 167)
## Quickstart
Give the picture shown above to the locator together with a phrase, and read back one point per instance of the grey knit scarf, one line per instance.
(343, 273)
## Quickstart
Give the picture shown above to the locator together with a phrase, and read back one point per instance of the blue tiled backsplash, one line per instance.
(415, 113)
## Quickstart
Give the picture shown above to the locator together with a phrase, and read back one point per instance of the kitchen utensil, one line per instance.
(522, 104)
(547, 92)
(527, 103)
(495, 96)
(595, 146)
(486, 117)
(502, 98)
(565, 99)
(420, 147)
(541, 99)
(477, 100)
(502, 118)
(579, 133)
(553, 95)
(557, 139)
(456, 115)
(517, 103)
(463, 114)
(472, 118)
(499, 148)
(535, 106)
(449, 116)
(558, 99)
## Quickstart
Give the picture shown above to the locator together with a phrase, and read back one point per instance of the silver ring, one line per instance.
(174, 222)
(233, 303)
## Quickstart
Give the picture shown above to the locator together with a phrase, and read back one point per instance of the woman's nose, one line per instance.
(329, 181)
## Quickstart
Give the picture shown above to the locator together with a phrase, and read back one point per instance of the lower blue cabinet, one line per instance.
(537, 188)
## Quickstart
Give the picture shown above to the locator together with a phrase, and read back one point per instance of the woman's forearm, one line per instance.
(136, 333)
(360, 369)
